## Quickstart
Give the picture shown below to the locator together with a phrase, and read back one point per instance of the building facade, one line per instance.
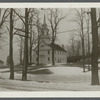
(44, 50)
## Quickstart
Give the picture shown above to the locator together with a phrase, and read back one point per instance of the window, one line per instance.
(48, 52)
(48, 58)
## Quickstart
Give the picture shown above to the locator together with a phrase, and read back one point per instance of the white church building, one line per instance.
(45, 49)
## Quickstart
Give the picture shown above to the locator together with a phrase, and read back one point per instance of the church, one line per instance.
(45, 49)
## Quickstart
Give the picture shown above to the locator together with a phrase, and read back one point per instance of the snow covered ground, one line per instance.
(63, 79)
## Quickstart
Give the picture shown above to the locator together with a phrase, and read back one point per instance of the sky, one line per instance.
(62, 38)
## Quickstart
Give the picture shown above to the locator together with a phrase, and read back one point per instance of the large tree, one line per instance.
(24, 74)
(94, 56)
(26, 21)
(11, 45)
(80, 22)
(11, 33)
(4, 13)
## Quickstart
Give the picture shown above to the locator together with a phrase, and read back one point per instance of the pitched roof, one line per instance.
(57, 47)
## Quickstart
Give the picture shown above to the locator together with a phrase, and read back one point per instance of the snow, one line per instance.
(49, 64)
(64, 78)
(65, 71)
(7, 69)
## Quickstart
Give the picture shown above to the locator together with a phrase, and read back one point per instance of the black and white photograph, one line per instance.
(49, 48)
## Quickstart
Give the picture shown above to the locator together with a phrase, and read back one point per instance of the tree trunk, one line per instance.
(38, 50)
(83, 53)
(82, 38)
(24, 73)
(94, 57)
(88, 44)
(30, 54)
(11, 45)
(53, 60)
(21, 52)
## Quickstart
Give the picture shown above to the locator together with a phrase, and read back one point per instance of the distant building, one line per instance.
(45, 49)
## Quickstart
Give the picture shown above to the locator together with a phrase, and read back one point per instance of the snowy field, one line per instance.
(62, 79)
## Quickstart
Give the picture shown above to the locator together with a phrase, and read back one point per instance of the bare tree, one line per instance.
(38, 43)
(21, 50)
(25, 20)
(74, 46)
(24, 74)
(4, 13)
(11, 45)
(32, 25)
(25, 62)
(11, 33)
(94, 57)
(87, 20)
(80, 22)
(55, 18)
(31, 36)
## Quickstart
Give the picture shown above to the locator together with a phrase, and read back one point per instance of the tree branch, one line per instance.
(19, 16)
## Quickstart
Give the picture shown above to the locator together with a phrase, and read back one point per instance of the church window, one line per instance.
(48, 52)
